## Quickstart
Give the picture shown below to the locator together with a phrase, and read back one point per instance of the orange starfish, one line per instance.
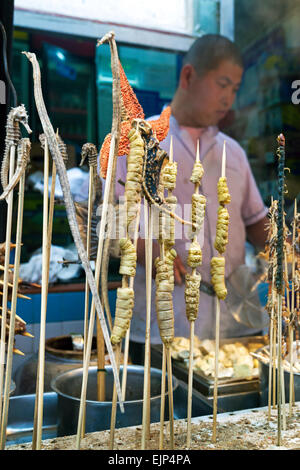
(131, 109)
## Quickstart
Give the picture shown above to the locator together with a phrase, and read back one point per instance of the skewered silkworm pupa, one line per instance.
(218, 276)
(123, 314)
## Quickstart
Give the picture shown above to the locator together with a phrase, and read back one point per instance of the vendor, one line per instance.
(209, 80)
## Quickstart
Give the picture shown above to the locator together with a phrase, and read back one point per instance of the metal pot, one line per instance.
(68, 388)
(264, 381)
(59, 358)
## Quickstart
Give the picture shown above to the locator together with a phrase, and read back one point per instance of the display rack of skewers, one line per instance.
(150, 173)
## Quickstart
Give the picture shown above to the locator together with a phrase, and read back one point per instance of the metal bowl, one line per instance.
(68, 388)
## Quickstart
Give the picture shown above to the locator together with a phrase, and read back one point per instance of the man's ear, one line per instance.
(186, 75)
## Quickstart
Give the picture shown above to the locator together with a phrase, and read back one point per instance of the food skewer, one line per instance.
(125, 294)
(164, 288)
(192, 290)
(218, 272)
(279, 277)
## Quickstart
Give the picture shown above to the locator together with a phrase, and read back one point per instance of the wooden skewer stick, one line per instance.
(48, 252)
(214, 437)
(217, 340)
(6, 271)
(291, 333)
(114, 399)
(162, 402)
(192, 336)
(170, 395)
(271, 349)
(44, 294)
(147, 364)
(10, 345)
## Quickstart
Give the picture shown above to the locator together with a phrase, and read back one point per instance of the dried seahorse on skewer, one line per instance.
(13, 135)
(23, 152)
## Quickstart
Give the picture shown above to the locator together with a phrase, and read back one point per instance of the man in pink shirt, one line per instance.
(209, 79)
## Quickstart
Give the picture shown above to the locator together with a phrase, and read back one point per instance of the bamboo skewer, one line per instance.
(272, 320)
(215, 399)
(114, 397)
(44, 293)
(217, 335)
(147, 364)
(170, 395)
(162, 402)
(48, 251)
(13, 312)
(279, 278)
(291, 334)
(6, 272)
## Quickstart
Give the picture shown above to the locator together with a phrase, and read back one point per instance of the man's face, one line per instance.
(212, 95)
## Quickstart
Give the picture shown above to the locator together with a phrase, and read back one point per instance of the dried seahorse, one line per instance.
(70, 209)
(23, 152)
(13, 135)
(61, 145)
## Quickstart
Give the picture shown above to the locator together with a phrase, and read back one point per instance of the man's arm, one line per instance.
(257, 233)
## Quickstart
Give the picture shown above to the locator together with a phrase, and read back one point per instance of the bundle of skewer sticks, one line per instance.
(11, 323)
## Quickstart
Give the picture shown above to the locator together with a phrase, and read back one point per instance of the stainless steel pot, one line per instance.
(264, 381)
(59, 357)
(68, 388)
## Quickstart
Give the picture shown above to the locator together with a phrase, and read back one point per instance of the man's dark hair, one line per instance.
(208, 51)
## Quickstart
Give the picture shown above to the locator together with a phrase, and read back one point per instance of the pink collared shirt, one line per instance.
(246, 208)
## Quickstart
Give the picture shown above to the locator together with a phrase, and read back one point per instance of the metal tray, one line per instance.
(205, 384)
